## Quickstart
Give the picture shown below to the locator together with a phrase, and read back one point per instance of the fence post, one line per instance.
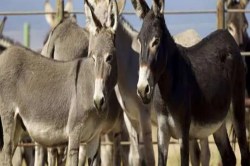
(220, 14)
(26, 34)
(60, 10)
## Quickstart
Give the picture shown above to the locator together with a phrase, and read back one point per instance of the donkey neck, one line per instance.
(176, 68)
(127, 58)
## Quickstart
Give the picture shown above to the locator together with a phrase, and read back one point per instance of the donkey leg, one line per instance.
(61, 156)
(184, 145)
(73, 150)
(239, 120)
(238, 100)
(222, 141)
(195, 152)
(148, 151)
(82, 155)
(163, 137)
(205, 152)
(117, 149)
(52, 156)
(107, 150)
(39, 155)
(93, 151)
(17, 135)
(8, 124)
(134, 157)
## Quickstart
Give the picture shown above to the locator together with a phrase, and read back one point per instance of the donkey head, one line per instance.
(236, 22)
(102, 51)
(150, 39)
(51, 18)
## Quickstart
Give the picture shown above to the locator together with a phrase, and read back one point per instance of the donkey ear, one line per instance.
(92, 22)
(120, 5)
(2, 24)
(158, 6)
(244, 3)
(112, 20)
(141, 8)
(69, 6)
(49, 17)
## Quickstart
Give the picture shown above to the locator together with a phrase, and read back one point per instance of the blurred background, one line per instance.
(203, 23)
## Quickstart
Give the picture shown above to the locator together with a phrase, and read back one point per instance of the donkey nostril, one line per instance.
(147, 89)
(101, 101)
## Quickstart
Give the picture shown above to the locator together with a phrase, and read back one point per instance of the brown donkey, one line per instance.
(197, 85)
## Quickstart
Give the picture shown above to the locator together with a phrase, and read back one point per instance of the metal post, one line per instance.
(26, 34)
(60, 10)
(220, 14)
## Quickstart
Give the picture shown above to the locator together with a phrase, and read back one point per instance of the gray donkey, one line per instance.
(59, 102)
(63, 49)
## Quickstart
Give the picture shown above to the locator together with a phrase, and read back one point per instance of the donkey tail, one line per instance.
(1, 134)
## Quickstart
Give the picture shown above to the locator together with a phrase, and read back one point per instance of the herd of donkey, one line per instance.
(108, 80)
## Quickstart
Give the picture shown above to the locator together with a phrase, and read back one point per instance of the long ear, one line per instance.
(92, 22)
(69, 6)
(2, 24)
(112, 14)
(244, 3)
(141, 7)
(50, 18)
(158, 6)
(120, 5)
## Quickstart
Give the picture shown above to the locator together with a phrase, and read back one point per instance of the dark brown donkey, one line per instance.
(197, 84)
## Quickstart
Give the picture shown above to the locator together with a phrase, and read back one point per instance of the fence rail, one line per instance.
(212, 11)
(124, 143)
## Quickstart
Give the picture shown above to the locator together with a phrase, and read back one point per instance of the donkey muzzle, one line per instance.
(144, 90)
(99, 102)
(99, 99)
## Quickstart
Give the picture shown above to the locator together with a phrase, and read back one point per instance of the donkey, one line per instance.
(196, 84)
(237, 25)
(28, 100)
(59, 46)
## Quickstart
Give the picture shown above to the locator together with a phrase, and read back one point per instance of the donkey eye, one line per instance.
(109, 58)
(156, 42)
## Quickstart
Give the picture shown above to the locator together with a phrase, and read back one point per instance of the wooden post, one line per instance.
(220, 14)
(60, 10)
(26, 34)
